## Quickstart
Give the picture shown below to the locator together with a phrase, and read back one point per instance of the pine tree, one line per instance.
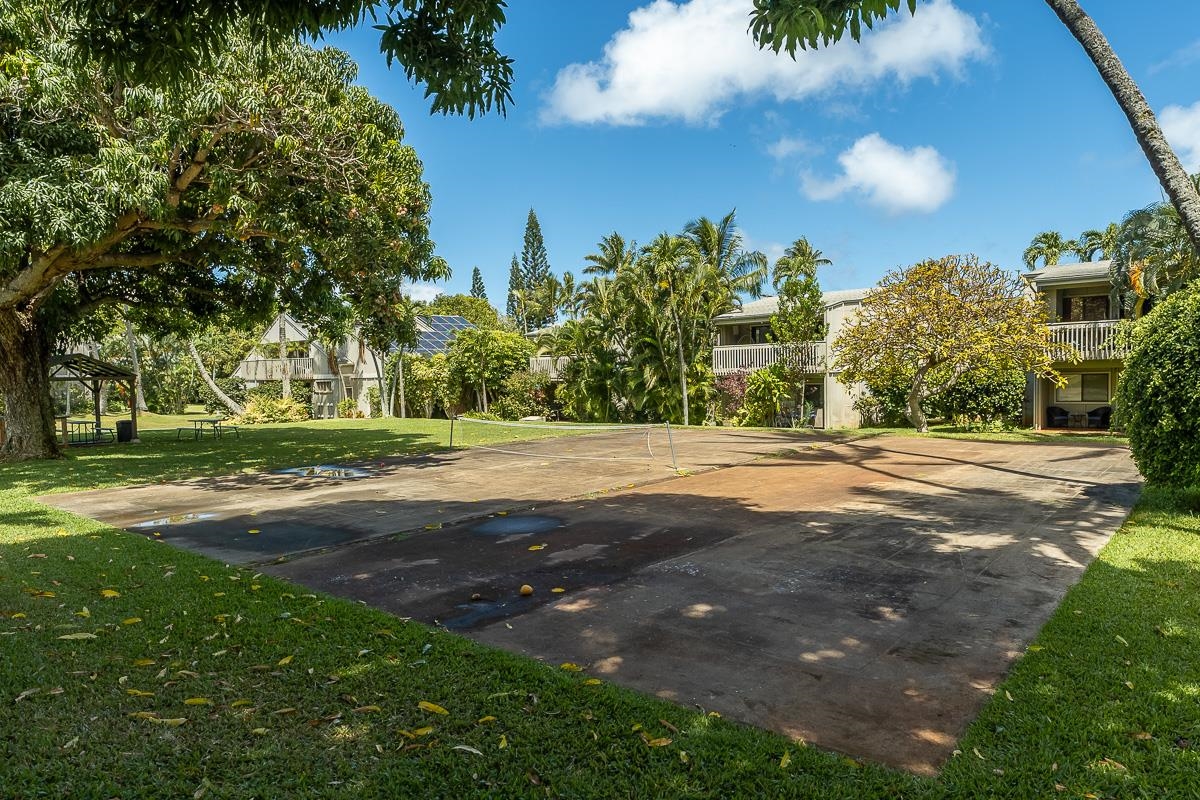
(477, 287)
(535, 267)
(516, 283)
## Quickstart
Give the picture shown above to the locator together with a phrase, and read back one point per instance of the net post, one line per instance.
(451, 432)
(671, 442)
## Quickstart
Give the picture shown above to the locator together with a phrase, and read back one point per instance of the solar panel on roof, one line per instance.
(442, 328)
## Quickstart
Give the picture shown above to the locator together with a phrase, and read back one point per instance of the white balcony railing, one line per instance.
(550, 366)
(810, 357)
(1093, 340)
(271, 369)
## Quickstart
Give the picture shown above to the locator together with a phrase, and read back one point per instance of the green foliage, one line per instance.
(477, 288)
(985, 398)
(729, 396)
(261, 410)
(233, 386)
(1154, 256)
(427, 385)
(446, 45)
(766, 391)
(515, 285)
(535, 271)
(790, 24)
(1158, 394)
(524, 394)
(476, 310)
(374, 402)
(480, 361)
(347, 408)
(1048, 247)
(930, 325)
(801, 314)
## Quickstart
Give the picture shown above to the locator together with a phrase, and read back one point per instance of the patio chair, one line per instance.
(1057, 417)
(1099, 417)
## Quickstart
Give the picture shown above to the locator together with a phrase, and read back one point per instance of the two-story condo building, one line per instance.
(1078, 296)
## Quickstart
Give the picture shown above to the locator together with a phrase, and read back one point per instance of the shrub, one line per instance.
(729, 397)
(525, 394)
(374, 402)
(987, 399)
(273, 390)
(348, 409)
(482, 415)
(766, 389)
(260, 410)
(1158, 394)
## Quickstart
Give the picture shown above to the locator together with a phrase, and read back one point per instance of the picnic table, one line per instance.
(218, 428)
(85, 431)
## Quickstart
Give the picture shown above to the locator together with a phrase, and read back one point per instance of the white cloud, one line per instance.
(424, 291)
(1181, 125)
(893, 178)
(691, 60)
(785, 147)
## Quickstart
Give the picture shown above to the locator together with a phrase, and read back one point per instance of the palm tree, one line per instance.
(1154, 255)
(800, 260)
(719, 246)
(1047, 247)
(613, 256)
(1093, 241)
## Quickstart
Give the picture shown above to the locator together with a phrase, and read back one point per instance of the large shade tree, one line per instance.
(932, 324)
(269, 176)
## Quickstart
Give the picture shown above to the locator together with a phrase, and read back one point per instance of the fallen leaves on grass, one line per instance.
(466, 749)
(432, 708)
(283, 662)
(787, 759)
(570, 667)
(197, 701)
(138, 693)
(80, 635)
(109, 594)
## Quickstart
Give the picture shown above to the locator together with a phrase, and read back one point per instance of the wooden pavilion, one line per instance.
(93, 374)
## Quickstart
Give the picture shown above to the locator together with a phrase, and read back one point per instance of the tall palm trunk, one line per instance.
(380, 380)
(131, 341)
(683, 384)
(285, 366)
(1163, 161)
(233, 406)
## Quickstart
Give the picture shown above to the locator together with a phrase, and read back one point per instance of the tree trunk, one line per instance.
(384, 411)
(285, 366)
(400, 382)
(682, 368)
(139, 398)
(226, 400)
(916, 414)
(25, 387)
(1163, 161)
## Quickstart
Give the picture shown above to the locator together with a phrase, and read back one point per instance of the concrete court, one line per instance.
(865, 596)
(293, 514)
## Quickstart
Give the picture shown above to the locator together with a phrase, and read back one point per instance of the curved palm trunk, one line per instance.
(1163, 161)
(234, 407)
(25, 387)
(131, 341)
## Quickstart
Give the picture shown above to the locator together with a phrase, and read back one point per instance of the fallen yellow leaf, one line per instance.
(143, 662)
(109, 593)
(254, 530)
(787, 759)
(144, 715)
(503, 741)
(367, 709)
(131, 621)
(239, 703)
(569, 667)
(488, 718)
(83, 612)
(197, 701)
(432, 708)
(138, 693)
(423, 731)
(78, 636)
(537, 547)
(661, 741)
(283, 662)
(259, 731)
(174, 722)
(593, 682)
(558, 590)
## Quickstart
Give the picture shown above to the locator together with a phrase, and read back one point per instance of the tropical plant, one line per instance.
(264, 410)
(479, 361)
(934, 323)
(766, 391)
(1092, 241)
(1154, 256)
(523, 394)
(1158, 393)
(1047, 247)
(800, 316)
(269, 176)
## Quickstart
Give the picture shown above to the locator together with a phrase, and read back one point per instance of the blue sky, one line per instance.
(967, 129)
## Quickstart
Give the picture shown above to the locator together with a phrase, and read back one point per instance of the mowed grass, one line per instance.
(210, 680)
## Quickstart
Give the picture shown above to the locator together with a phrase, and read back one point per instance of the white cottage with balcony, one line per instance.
(821, 400)
(347, 371)
(1084, 314)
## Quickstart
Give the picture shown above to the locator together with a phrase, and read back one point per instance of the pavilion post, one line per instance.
(97, 386)
(133, 409)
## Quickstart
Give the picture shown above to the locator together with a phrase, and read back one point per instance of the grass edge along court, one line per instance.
(137, 670)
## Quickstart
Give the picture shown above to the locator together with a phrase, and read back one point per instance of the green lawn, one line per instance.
(179, 674)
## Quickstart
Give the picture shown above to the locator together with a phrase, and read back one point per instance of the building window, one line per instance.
(1085, 387)
(322, 387)
(760, 334)
(1092, 308)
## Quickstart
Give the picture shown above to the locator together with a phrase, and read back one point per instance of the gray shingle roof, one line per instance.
(766, 306)
(1070, 273)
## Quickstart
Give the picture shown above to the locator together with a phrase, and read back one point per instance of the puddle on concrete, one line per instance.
(508, 526)
(174, 519)
(330, 471)
(477, 613)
